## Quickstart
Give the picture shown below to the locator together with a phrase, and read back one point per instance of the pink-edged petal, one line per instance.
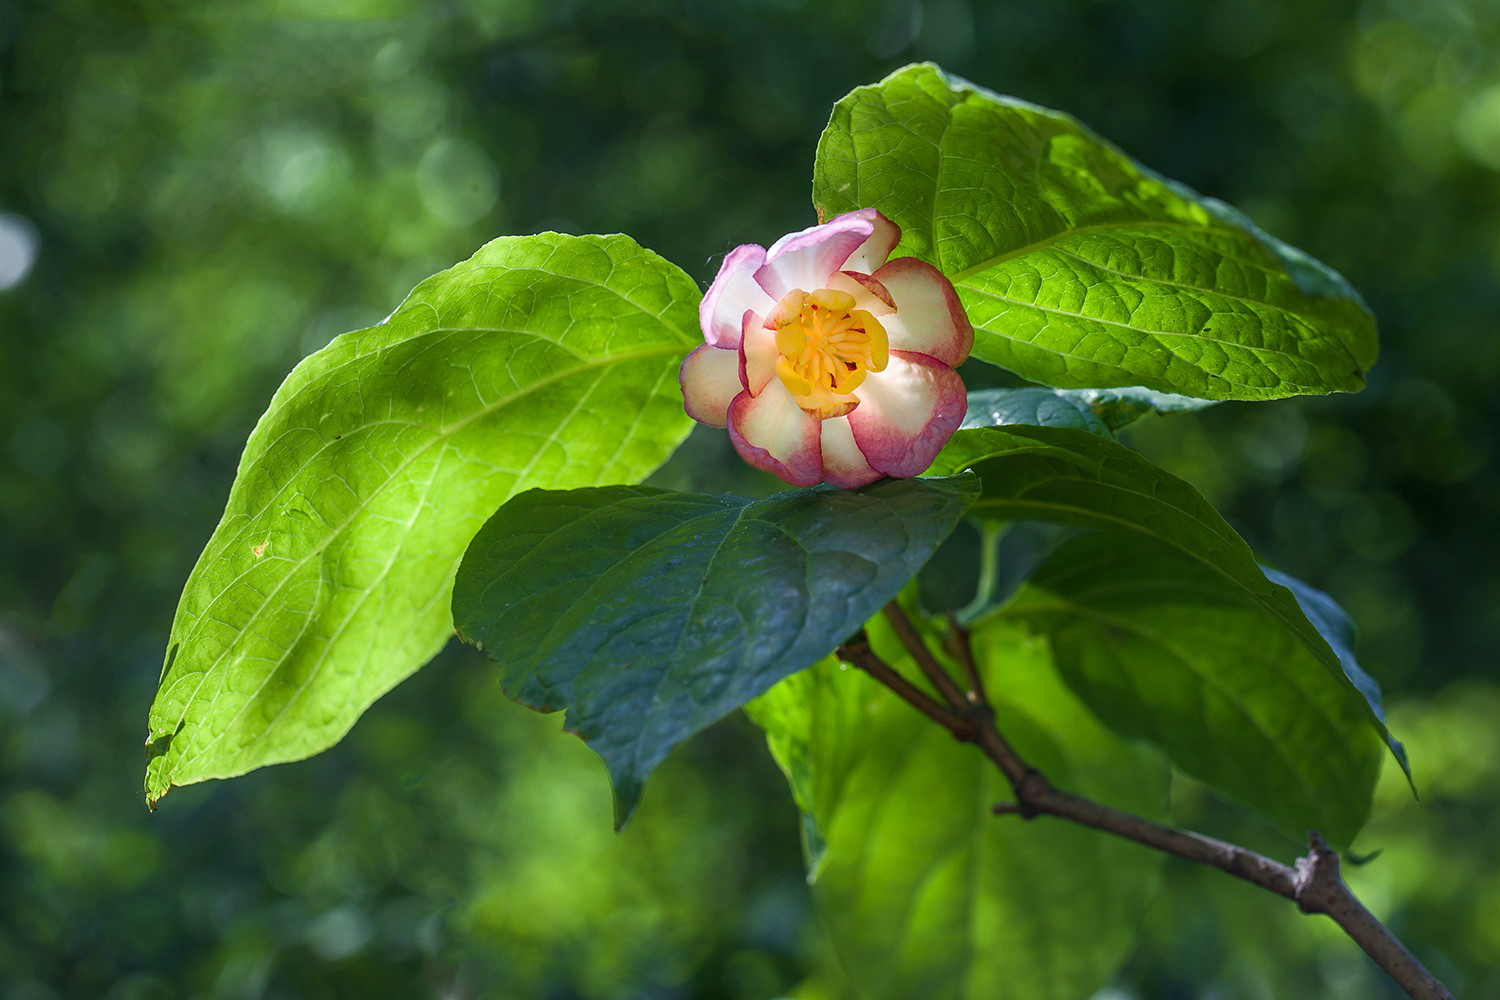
(771, 432)
(805, 259)
(907, 413)
(733, 292)
(929, 318)
(844, 464)
(869, 294)
(757, 354)
(710, 379)
(873, 251)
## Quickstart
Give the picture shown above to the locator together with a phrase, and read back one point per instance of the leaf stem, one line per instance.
(857, 651)
(1314, 882)
(931, 668)
(963, 651)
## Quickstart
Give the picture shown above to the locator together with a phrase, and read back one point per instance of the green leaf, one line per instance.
(648, 614)
(541, 361)
(1335, 626)
(952, 577)
(925, 892)
(1067, 476)
(1099, 411)
(1163, 648)
(1079, 267)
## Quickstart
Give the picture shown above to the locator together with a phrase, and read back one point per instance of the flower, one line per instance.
(825, 361)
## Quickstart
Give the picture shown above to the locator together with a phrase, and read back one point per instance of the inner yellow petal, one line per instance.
(826, 348)
(796, 383)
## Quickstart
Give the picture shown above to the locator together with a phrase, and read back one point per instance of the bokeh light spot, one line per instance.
(457, 181)
(1479, 127)
(18, 246)
(302, 168)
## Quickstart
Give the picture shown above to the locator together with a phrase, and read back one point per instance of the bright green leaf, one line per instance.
(1079, 267)
(1163, 648)
(925, 891)
(648, 614)
(541, 361)
(1100, 411)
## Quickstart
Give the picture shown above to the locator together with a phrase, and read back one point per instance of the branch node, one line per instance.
(1315, 883)
(1031, 792)
(1318, 880)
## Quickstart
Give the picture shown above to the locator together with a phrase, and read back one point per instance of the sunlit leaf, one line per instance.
(541, 361)
(1079, 267)
(1162, 648)
(925, 891)
(1066, 476)
(648, 614)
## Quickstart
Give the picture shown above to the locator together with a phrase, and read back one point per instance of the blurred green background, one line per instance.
(195, 195)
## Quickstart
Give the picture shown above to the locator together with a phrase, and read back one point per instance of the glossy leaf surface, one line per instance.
(1162, 648)
(925, 891)
(541, 361)
(1067, 476)
(1101, 411)
(1079, 267)
(648, 614)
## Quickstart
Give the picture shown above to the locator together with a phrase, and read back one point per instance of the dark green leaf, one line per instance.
(541, 361)
(926, 893)
(1100, 411)
(1067, 476)
(1034, 406)
(648, 614)
(1079, 267)
(1162, 648)
(1337, 629)
(952, 577)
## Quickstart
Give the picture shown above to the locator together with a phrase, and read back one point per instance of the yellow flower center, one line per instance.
(827, 347)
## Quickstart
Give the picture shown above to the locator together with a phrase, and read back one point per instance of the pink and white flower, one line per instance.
(825, 361)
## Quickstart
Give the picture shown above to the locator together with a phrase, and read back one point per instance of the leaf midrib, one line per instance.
(440, 436)
(1062, 234)
(1062, 605)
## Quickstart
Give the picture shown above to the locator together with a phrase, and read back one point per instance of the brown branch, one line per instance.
(931, 668)
(858, 652)
(1315, 883)
(963, 651)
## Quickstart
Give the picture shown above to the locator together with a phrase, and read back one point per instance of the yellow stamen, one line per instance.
(827, 348)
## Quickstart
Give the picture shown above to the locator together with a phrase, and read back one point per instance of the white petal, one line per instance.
(869, 294)
(771, 432)
(710, 379)
(844, 464)
(907, 413)
(873, 251)
(805, 259)
(929, 318)
(733, 293)
(758, 354)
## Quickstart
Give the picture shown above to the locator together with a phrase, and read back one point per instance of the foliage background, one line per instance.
(193, 196)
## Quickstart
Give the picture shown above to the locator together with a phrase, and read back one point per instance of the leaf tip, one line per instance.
(158, 743)
(627, 795)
